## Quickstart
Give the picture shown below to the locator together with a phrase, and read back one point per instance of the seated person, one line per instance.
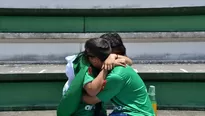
(118, 53)
(86, 109)
(124, 87)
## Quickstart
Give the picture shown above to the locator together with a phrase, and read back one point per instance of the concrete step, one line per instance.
(53, 113)
(141, 68)
(38, 87)
(46, 72)
(142, 47)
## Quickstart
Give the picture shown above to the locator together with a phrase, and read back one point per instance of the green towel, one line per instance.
(71, 100)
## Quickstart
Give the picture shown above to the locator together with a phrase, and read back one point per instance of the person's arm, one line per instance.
(113, 86)
(111, 61)
(90, 99)
(127, 60)
(94, 86)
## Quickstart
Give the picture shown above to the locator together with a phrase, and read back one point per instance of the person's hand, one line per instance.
(109, 62)
(120, 62)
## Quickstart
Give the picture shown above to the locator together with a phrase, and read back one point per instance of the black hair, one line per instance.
(98, 47)
(116, 43)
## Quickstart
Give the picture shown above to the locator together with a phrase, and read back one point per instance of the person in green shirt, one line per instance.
(86, 109)
(124, 87)
(119, 53)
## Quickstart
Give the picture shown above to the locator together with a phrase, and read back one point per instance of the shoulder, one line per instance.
(115, 74)
(121, 71)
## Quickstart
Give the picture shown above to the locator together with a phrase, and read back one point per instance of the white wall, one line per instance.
(139, 51)
(93, 4)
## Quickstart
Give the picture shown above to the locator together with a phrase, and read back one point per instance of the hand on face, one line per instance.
(111, 62)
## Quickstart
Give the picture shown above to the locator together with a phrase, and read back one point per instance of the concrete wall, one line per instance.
(141, 47)
(55, 52)
(98, 4)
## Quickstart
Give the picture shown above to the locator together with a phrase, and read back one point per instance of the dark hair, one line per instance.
(98, 47)
(116, 43)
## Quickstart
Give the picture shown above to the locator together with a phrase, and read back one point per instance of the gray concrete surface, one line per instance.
(79, 37)
(54, 47)
(56, 52)
(97, 4)
(55, 68)
(53, 113)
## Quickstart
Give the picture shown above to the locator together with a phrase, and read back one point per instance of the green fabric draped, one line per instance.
(71, 100)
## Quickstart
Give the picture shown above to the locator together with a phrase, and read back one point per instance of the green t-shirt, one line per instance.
(84, 110)
(87, 109)
(127, 92)
(72, 97)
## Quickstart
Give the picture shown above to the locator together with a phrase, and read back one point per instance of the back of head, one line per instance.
(98, 47)
(115, 42)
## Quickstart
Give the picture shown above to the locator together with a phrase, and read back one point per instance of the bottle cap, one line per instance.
(151, 90)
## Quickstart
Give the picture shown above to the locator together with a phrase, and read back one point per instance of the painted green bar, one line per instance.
(105, 12)
(43, 95)
(43, 91)
(22, 77)
(173, 76)
(30, 94)
(151, 76)
(180, 94)
(41, 24)
(145, 24)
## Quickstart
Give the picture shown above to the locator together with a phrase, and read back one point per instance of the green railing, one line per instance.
(43, 91)
(102, 20)
(42, 24)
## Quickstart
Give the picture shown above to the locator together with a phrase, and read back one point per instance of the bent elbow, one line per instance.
(91, 93)
(129, 63)
(88, 101)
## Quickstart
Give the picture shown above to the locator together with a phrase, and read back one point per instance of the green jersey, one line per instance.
(72, 98)
(127, 92)
(84, 110)
(87, 109)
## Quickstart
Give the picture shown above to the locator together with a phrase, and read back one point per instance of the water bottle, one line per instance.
(152, 96)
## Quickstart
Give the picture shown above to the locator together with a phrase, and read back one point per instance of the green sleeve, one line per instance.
(88, 78)
(112, 88)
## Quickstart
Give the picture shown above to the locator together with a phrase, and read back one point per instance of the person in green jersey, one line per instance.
(118, 52)
(123, 87)
(86, 109)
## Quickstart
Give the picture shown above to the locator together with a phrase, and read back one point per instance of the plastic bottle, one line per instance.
(152, 96)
